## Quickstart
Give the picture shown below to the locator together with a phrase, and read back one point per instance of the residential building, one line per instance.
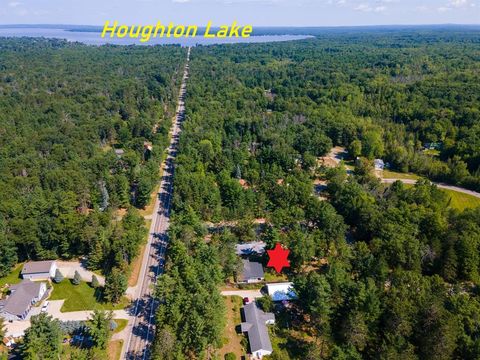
(22, 297)
(379, 164)
(254, 247)
(255, 325)
(251, 272)
(39, 270)
(281, 291)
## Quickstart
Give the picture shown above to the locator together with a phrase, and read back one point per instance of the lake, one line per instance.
(94, 38)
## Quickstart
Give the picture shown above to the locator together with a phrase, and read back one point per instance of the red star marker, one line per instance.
(278, 258)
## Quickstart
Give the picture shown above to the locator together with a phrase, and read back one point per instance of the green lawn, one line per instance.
(388, 174)
(462, 201)
(82, 297)
(121, 324)
(13, 277)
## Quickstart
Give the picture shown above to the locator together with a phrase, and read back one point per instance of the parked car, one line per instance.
(246, 300)
(45, 307)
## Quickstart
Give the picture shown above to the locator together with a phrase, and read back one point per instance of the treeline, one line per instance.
(381, 272)
(82, 132)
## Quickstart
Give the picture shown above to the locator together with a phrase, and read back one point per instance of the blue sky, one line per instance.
(256, 12)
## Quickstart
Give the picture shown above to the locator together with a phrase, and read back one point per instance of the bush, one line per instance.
(230, 356)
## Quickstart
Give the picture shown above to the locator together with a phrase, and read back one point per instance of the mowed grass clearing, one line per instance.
(82, 297)
(13, 277)
(462, 201)
(388, 174)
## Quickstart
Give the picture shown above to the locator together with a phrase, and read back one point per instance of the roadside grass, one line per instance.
(232, 341)
(82, 297)
(13, 277)
(461, 201)
(389, 174)
(136, 265)
(114, 349)
(121, 324)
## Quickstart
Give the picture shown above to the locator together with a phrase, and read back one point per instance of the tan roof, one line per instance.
(34, 267)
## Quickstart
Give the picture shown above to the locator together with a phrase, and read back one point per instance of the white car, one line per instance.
(44, 307)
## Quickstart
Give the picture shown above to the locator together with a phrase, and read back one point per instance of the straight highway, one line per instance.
(141, 328)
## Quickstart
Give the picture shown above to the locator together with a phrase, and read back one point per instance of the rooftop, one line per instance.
(34, 267)
(251, 270)
(255, 326)
(22, 297)
(281, 291)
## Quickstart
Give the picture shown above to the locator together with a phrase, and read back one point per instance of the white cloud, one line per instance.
(371, 8)
(14, 4)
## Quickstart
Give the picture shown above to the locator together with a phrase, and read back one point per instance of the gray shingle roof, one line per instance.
(251, 270)
(22, 297)
(34, 267)
(256, 328)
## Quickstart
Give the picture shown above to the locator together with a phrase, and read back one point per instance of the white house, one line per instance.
(255, 325)
(281, 291)
(22, 297)
(39, 270)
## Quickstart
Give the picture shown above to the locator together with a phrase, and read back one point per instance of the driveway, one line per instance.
(17, 328)
(243, 293)
(67, 268)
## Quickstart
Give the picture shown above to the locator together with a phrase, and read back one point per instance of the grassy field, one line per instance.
(13, 277)
(458, 200)
(388, 174)
(462, 201)
(82, 297)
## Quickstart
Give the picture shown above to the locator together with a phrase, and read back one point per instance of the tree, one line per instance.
(77, 279)
(99, 328)
(2, 327)
(115, 285)
(230, 356)
(42, 340)
(95, 284)
(58, 276)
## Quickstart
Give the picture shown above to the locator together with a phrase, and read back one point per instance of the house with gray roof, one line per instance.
(255, 325)
(39, 270)
(251, 272)
(22, 297)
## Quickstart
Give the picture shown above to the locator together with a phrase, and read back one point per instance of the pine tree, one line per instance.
(95, 284)
(58, 277)
(76, 278)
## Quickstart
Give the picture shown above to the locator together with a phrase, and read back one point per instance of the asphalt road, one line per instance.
(141, 328)
(439, 185)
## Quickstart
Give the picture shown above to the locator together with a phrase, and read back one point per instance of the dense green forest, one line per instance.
(381, 272)
(76, 126)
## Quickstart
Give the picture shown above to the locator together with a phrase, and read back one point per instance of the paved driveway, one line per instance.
(67, 268)
(17, 328)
